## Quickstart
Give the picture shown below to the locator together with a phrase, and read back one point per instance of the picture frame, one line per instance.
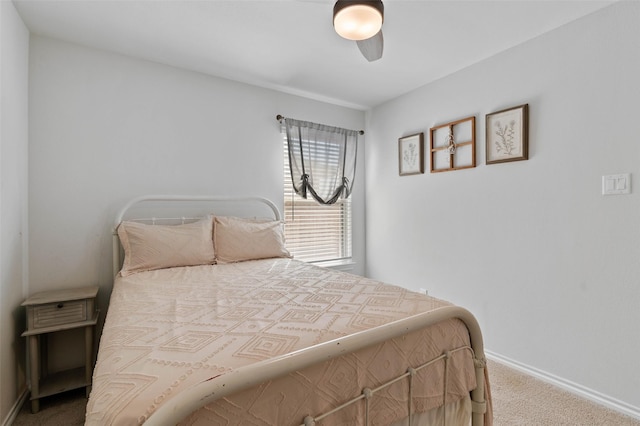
(411, 154)
(507, 135)
(452, 145)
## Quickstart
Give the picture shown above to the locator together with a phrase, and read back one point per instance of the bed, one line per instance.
(212, 322)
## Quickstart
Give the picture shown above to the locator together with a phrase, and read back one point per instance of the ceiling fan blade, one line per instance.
(371, 48)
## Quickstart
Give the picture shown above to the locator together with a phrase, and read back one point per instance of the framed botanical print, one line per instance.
(411, 154)
(508, 135)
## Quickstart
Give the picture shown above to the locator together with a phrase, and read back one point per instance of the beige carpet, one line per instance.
(521, 400)
(65, 409)
(518, 400)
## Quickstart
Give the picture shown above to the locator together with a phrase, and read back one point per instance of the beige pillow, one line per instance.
(237, 239)
(148, 247)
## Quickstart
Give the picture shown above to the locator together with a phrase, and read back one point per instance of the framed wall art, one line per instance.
(411, 154)
(508, 135)
(453, 145)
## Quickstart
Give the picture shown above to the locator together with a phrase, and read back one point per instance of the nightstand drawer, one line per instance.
(41, 316)
(57, 308)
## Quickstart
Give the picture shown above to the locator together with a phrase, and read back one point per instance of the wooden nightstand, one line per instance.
(50, 312)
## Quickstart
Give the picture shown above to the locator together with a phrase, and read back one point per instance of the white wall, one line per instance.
(550, 267)
(105, 128)
(14, 56)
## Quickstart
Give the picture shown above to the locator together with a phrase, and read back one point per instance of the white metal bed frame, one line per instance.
(207, 392)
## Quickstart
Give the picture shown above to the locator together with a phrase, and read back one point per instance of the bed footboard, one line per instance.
(182, 405)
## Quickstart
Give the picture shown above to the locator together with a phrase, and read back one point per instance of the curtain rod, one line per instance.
(280, 118)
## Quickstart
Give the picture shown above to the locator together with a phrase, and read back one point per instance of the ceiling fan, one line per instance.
(361, 20)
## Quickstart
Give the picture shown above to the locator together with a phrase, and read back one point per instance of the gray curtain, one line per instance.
(322, 160)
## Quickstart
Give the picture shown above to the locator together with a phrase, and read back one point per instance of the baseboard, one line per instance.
(590, 394)
(17, 406)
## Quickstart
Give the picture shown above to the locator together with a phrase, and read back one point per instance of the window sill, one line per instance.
(344, 265)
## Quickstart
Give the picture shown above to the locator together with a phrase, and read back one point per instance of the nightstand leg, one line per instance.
(88, 357)
(35, 406)
(34, 358)
(44, 356)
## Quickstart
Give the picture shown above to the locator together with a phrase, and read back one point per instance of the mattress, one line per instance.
(167, 330)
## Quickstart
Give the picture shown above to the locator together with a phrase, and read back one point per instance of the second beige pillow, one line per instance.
(237, 239)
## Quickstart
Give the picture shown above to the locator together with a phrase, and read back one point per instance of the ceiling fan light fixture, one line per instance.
(358, 20)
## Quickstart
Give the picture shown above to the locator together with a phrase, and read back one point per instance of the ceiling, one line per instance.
(290, 45)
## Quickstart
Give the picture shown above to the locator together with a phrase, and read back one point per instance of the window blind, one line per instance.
(315, 232)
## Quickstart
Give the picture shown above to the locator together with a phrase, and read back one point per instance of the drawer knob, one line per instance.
(60, 305)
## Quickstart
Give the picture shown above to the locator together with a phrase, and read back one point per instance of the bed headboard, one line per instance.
(176, 209)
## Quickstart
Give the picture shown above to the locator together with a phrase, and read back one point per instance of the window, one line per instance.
(314, 232)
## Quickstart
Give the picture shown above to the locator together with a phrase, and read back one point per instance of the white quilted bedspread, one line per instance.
(169, 329)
